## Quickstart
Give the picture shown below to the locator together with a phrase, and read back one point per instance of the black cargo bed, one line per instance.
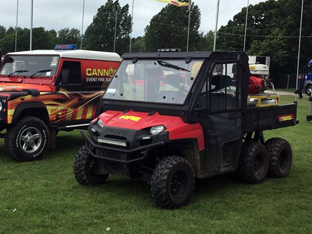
(272, 117)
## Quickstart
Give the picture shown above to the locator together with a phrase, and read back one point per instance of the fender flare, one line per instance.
(28, 106)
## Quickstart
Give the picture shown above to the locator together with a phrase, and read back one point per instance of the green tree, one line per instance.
(168, 29)
(69, 36)
(206, 41)
(273, 29)
(275, 47)
(53, 33)
(42, 39)
(10, 30)
(7, 43)
(100, 34)
(2, 32)
(138, 44)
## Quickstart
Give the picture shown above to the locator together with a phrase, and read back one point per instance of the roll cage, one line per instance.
(187, 111)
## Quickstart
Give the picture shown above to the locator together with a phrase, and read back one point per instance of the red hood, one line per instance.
(17, 87)
(176, 127)
(138, 120)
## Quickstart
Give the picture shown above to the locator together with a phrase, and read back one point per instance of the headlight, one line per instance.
(157, 129)
(100, 123)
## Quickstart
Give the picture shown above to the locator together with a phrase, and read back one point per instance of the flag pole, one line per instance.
(188, 27)
(299, 47)
(115, 31)
(215, 34)
(131, 26)
(83, 10)
(16, 25)
(246, 23)
(31, 24)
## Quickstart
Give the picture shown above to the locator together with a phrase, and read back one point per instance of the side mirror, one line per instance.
(65, 76)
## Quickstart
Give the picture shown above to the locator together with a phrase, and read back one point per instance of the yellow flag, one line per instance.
(174, 2)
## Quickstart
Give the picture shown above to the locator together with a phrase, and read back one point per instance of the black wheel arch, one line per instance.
(37, 109)
(185, 148)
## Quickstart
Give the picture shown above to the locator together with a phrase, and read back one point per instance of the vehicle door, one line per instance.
(219, 106)
(76, 103)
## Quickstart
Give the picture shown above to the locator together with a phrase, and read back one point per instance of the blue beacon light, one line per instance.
(65, 47)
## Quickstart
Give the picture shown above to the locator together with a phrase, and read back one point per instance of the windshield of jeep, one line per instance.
(159, 81)
(29, 66)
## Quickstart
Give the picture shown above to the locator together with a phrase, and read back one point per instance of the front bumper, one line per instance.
(119, 155)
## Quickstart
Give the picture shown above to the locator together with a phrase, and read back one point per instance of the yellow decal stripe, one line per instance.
(79, 114)
(69, 114)
(89, 113)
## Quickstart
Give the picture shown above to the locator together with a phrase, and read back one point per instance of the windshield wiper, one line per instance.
(165, 64)
(17, 71)
(40, 71)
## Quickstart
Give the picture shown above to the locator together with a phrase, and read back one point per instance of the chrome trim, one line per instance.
(111, 142)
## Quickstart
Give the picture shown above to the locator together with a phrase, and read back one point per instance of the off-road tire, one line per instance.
(36, 130)
(84, 166)
(253, 163)
(280, 159)
(172, 182)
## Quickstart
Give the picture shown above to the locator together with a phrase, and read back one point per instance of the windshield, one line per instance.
(159, 81)
(42, 66)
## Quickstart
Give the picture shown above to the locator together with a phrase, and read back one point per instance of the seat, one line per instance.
(220, 82)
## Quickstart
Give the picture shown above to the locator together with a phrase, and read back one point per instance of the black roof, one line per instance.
(172, 55)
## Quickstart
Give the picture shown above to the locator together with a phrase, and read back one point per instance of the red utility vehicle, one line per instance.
(172, 116)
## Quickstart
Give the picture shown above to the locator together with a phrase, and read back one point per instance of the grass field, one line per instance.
(44, 197)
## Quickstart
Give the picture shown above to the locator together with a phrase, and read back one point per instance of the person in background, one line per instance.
(300, 86)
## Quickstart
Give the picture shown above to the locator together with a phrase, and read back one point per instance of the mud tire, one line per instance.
(253, 163)
(172, 182)
(84, 166)
(280, 157)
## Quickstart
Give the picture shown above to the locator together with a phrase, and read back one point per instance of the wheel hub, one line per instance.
(30, 139)
(177, 184)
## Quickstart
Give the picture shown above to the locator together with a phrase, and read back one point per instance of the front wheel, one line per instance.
(280, 157)
(253, 163)
(309, 90)
(27, 139)
(87, 169)
(172, 182)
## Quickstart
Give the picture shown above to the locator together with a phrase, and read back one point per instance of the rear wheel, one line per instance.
(27, 139)
(280, 157)
(87, 169)
(172, 182)
(253, 163)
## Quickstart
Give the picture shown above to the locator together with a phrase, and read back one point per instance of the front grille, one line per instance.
(110, 154)
(116, 137)
(112, 142)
